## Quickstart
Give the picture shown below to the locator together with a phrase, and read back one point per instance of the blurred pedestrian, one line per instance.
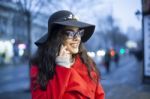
(16, 52)
(107, 60)
(116, 58)
(61, 68)
(139, 54)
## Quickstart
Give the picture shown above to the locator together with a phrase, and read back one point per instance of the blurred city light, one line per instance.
(12, 41)
(21, 47)
(122, 51)
(131, 44)
(2, 48)
(100, 53)
(6, 50)
(112, 52)
(21, 52)
(91, 54)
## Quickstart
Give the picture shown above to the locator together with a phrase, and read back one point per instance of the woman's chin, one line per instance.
(74, 51)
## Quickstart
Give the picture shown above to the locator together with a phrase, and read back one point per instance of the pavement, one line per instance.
(123, 82)
(14, 78)
(14, 83)
(16, 95)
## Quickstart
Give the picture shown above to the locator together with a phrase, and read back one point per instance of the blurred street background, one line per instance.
(119, 45)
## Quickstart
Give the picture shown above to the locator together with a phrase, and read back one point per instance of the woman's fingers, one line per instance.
(63, 51)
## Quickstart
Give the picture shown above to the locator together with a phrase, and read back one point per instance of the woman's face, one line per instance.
(72, 41)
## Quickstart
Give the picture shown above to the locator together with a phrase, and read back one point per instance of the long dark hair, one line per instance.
(46, 54)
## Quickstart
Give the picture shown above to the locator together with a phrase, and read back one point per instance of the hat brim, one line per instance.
(42, 40)
(88, 30)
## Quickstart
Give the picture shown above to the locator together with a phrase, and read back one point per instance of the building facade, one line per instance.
(15, 37)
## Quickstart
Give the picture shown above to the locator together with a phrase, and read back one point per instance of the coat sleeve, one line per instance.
(99, 94)
(55, 87)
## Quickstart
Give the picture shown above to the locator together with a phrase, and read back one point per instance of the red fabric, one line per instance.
(68, 83)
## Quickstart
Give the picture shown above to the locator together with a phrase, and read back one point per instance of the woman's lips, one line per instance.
(75, 45)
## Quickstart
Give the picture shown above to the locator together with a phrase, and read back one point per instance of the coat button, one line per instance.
(92, 91)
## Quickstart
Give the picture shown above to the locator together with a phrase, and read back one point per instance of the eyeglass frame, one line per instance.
(73, 34)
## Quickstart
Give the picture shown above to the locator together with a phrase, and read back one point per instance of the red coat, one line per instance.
(68, 83)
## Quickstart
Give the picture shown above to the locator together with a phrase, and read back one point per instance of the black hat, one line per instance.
(66, 18)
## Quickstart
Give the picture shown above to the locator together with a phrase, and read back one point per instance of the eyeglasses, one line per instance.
(72, 34)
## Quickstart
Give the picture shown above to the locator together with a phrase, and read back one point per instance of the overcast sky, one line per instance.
(90, 11)
(124, 10)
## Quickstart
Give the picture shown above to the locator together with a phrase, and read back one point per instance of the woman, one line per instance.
(61, 68)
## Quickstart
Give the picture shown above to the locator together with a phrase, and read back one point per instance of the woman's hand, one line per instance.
(64, 52)
(64, 57)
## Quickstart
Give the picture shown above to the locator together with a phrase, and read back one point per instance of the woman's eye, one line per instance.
(70, 33)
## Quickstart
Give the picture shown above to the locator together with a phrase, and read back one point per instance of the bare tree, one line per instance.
(86, 10)
(29, 8)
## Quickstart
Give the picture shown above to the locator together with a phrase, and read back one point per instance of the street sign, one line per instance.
(146, 30)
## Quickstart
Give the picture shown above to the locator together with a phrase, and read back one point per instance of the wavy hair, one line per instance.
(45, 57)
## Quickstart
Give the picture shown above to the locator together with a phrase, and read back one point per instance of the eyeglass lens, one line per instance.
(72, 34)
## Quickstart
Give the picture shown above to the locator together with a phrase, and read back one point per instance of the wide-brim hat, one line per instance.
(66, 18)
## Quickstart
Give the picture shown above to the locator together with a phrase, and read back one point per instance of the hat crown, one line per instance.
(60, 16)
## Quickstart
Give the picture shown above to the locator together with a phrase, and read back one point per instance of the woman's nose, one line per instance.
(77, 38)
